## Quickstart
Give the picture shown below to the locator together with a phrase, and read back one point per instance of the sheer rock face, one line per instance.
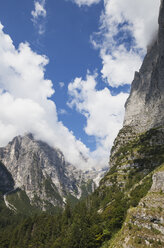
(144, 107)
(42, 171)
(158, 182)
(6, 180)
(139, 151)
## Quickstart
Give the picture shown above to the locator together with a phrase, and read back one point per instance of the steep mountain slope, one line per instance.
(137, 156)
(139, 144)
(43, 174)
(144, 225)
(144, 108)
(127, 209)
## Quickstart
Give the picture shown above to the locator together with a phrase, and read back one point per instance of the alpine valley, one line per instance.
(47, 203)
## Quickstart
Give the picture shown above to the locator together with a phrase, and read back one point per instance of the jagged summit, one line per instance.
(127, 209)
(144, 107)
(42, 172)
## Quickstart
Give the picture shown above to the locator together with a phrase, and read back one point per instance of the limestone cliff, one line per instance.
(137, 156)
(42, 172)
(144, 107)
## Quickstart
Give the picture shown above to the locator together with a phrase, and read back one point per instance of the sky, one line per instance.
(65, 71)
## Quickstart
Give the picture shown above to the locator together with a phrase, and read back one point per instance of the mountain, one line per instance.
(127, 209)
(144, 224)
(41, 173)
(144, 107)
(137, 157)
(6, 182)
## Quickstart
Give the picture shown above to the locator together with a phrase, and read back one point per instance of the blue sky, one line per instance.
(92, 49)
(66, 42)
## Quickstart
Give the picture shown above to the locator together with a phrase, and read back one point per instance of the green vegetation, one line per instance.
(84, 226)
(9, 179)
(21, 202)
(96, 220)
(51, 190)
(8, 220)
(140, 191)
(86, 188)
(136, 158)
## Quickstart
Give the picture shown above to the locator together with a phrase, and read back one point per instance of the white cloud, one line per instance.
(120, 20)
(86, 2)
(119, 67)
(25, 105)
(62, 112)
(61, 84)
(38, 16)
(39, 9)
(103, 111)
(24, 92)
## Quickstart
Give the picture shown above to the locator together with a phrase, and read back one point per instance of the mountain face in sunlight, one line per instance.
(47, 202)
(43, 174)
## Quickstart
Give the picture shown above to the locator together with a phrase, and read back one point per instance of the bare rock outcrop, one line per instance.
(144, 107)
(42, 172)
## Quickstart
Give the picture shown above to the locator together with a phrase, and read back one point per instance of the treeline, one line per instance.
(88, 225)
(84, 226)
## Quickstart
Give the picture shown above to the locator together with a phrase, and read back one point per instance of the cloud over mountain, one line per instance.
(25, 104)
(25, 93)
(104, 113)
(125, 32)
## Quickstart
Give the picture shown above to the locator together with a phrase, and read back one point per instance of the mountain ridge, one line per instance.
(127, 209)
(42, 172)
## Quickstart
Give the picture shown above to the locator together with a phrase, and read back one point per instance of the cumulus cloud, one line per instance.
(25, 93)
(119, 67)
(104, 113)
(25, 104)
(86, 2)
(38, 16)
(127, 28)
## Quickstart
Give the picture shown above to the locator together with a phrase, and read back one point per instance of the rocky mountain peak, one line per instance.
(144, 107)
(42, 172)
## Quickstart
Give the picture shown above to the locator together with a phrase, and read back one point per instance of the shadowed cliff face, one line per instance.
(6, 180)
(144, 107)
